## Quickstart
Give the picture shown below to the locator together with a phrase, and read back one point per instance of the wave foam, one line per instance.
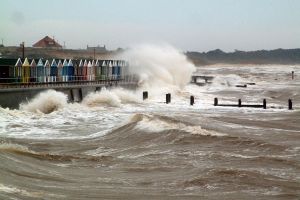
(151, 123)
(113, 98)
(46, 102)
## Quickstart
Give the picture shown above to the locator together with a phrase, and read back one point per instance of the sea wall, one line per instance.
(13, 97)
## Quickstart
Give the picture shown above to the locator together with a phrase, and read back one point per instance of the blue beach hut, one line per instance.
(70, 70)
(65, 71)
(40, 71)
(47, 71)
(59, 71)
(53, 71)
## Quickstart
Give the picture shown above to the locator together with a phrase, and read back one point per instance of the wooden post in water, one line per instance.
(215, 101)
(290, 104)
(168, 98)
(145, 95)
(293, 75)
(264, 104)
(240, 103)
(192, 100)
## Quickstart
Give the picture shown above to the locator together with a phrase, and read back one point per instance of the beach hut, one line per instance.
(40, 73)
(75, 70)
(93, 70)
(7, 70)
(110, 67)
(65, 70)
(18, 70)
(26, 71)
(98, 70)
(80, 70)
(59, 71)
(113, 70)
(53, 71)
(47, 68)
(70, 70)
(33, 71)
(104, 70)
(119, 68)
(84, 72)
(89, 71)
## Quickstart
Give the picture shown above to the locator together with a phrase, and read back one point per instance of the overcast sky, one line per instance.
(190, 25)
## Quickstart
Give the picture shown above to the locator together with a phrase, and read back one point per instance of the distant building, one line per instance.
(47, 42)
(97, 49)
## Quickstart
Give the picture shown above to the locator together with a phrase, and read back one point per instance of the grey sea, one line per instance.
(114, 145)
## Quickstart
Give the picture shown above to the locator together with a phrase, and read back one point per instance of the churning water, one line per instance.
(113, 145)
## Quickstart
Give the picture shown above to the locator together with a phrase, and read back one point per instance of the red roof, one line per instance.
(47, 42)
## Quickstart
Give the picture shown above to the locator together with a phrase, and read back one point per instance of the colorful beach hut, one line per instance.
(80, 70)
(47, 68)
(40, 71)
(59, 71)
(26, 71)
(65, 70)
(33, 71)
(70, 70)
(84, 72)
(97, 70)
(104, 70)
(94, 70)
(89, 71)
(110, 65)
(53, 71)
(119, 69)
(18, 70)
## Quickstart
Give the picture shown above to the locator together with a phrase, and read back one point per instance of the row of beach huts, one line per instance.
(60, 70)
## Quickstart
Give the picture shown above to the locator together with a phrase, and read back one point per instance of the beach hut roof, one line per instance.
(110, 63)
(104, 63)
(70, 63)
(53, 64)
(33, 63)
(40, 62)
(81, 63)
(19, 62)
(26, 63)
(47, 63)
(85, 63)
(59, 64)
(65, 63)
(89, 64)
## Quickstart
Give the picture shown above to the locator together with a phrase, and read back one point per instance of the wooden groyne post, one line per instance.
(192, 100)
(240, 103)
(168, 98)
(145, 95)
(264, 104)
(215, 101)
(293, 75)
(290, 104)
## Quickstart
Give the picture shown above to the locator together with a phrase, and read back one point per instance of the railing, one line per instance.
(54, 81)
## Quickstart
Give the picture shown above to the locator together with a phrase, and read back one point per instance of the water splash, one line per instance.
(46, 102)
(159, 65)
